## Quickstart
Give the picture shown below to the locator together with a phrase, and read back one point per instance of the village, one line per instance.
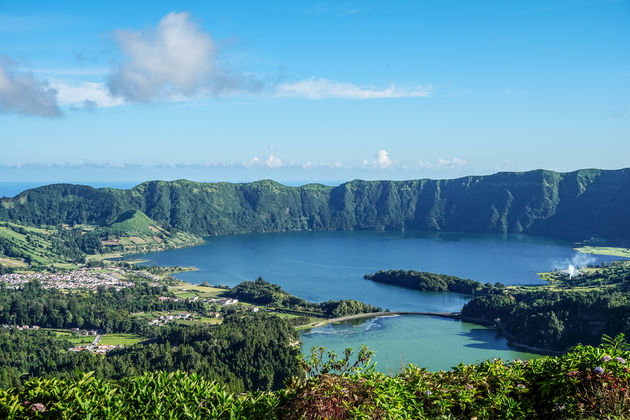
(83, 278)
(92, 278)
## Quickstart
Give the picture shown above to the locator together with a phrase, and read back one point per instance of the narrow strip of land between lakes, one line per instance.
(452, 315)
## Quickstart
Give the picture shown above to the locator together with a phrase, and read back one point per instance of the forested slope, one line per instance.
(577, 205)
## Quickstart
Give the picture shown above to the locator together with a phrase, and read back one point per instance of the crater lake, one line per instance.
(319, 266)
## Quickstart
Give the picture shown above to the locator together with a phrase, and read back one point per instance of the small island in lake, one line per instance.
(421, 280)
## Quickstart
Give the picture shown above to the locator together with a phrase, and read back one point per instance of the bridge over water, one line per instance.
(452, 315)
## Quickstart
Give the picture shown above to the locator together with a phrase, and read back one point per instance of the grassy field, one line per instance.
(75, 339)
(106, 339)
(199, 320)
(187, 291)
(121, 339)
(12, 262)
(605, 250)
(80, 339)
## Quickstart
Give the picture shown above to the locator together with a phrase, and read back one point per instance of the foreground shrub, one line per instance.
(588, 382)
(151, 396)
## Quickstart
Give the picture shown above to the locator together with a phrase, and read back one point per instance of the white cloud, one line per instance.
(21, 93)
(324, 88)
(455, 162)
(86, 95)
(174, 60)
(326, 165)
(270, 161)
(382, 160)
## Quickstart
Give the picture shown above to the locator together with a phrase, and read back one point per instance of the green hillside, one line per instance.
(64, 246)
(579, 205)
(134, 231)
(134, 222)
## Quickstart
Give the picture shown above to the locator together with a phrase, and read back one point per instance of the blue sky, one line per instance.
(311, 91)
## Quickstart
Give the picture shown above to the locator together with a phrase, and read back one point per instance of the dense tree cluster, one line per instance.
(554, 319)
(245, 352)
(74, 243)
(107, 310)
(430, 281)
(264, 293)
(10, 249)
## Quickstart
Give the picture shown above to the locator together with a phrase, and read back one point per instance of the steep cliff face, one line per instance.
(576, 205)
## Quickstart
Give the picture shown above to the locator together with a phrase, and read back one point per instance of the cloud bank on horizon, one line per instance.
(172, 62)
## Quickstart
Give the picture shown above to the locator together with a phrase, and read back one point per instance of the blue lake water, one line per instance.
(319, 266)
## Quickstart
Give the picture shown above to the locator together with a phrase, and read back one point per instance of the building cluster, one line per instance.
(222, 301)
(21, 327)
(94, 347)
(79, 331)
(163, 319)
(100, 349)
(82, 278)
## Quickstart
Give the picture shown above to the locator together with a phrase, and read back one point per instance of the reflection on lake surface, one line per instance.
(319, 266)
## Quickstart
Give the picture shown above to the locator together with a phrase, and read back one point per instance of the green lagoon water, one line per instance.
(319, 266)
(430, 342)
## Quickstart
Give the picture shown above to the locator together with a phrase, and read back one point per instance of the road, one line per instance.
(96, 340)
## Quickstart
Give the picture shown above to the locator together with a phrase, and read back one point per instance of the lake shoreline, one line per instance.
(322, 266)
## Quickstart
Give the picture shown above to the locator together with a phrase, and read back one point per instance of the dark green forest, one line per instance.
(578, 309)
(578, 205)
(421, 280)
(261, 292)
(107, 310)
(551, 319)
(246, 352)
